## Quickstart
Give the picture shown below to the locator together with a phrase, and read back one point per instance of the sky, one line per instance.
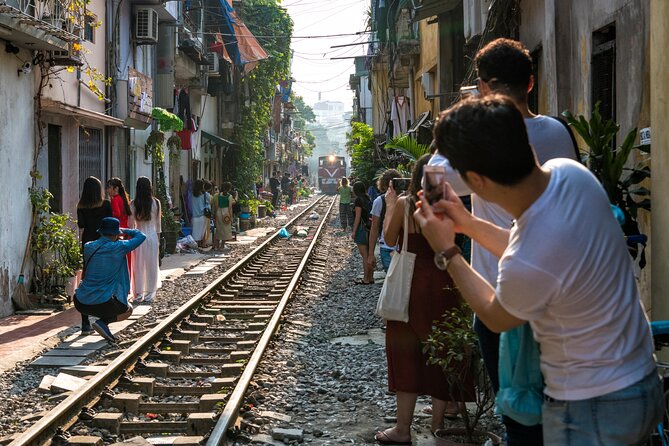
(312, 68)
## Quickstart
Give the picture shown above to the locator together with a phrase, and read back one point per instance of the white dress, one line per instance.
(145, 268)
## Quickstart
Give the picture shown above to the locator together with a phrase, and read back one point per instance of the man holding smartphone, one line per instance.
(378, 215)
(505, 66)
(564, 267)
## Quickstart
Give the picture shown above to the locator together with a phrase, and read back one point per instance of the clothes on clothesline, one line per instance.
(400, 115)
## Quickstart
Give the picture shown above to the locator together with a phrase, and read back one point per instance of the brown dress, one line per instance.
(431, 295)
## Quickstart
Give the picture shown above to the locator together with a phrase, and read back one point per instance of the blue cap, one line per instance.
(110, 226)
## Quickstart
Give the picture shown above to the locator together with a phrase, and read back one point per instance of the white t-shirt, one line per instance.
(377, 207)
(567, 271)
(549, 139)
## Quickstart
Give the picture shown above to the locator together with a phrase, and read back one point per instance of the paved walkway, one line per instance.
(25, 335)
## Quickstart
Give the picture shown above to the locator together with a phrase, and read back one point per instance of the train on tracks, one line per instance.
(331, 169)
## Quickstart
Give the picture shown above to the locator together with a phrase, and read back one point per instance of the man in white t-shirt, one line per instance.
(505, 66)
(378, 215)
(564, 267)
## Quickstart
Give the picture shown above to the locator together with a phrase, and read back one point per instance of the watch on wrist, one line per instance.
(443, 258)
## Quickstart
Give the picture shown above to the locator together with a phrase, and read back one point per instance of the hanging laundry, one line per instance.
(400, 115)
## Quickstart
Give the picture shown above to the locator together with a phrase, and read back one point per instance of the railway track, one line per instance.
(184, 381)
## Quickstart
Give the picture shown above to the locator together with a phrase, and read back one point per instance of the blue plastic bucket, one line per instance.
(244, 216)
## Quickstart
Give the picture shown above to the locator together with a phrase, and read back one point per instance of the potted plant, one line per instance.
(54, 249)
(610, 164)
(453, 346)
(156, 144)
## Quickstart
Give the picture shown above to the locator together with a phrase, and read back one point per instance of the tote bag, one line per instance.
(393, 304)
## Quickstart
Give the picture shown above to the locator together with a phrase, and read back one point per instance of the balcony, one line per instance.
(51, 25)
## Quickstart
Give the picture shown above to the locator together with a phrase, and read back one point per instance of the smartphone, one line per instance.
(469, 91)
(401, 184)
(433, 183)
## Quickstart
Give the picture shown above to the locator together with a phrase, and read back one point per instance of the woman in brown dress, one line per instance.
(432, 294)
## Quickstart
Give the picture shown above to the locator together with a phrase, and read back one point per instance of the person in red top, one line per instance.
(120, 204)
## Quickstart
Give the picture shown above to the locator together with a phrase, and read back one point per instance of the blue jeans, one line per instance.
(386, 256)
(622, 418)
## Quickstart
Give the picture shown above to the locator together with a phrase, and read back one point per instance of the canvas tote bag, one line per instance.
(393, 304)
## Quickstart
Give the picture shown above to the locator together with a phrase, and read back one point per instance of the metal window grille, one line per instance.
(604, 71)
(90, 154)
(55, 167)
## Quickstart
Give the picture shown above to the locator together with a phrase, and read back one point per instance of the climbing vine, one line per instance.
(267, 19)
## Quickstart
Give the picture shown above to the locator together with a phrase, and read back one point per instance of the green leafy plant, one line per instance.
(263, 18)
(610, 164)
(453, 346)
(54, 247)
(155, 145)
(409, 149)
(361, 146)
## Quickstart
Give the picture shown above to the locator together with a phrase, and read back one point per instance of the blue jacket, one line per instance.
(107, 270)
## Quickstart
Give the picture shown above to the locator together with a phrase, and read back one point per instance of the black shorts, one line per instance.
(106, 311)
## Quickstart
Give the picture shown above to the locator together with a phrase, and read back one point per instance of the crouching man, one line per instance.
(563, 266)
(103, 292)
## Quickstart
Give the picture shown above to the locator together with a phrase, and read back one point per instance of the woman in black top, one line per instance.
(91, 209)
(362, 208)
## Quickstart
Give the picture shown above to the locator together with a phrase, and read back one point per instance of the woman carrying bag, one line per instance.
(431, 295)
(221, 205)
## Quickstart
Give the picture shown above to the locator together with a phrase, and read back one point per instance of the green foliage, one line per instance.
(155, 145)
(264, 18)
(408, 147)
(361, 147)
(305, 113)
(54, 247)
(608, 164)
(453, 346)
(166, 121)
(168, 221)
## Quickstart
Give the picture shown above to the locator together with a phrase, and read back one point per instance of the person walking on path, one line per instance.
(221, 206)
(199, 206)
(573, 282)
(146, 216)
(432, 295)
(360, 234)
(275, 188)
(208, 188)
(378, 217)
(345, 200)
(103, 292)
(91, 209)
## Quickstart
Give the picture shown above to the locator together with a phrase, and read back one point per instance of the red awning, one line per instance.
(250, 50)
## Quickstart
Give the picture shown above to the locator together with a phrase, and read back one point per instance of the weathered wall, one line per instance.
(659, 67)
(16, 148)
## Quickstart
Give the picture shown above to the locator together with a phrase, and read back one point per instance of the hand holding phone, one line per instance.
(433, 183)
(400, 184)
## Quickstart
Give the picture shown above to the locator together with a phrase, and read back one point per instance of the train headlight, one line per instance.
(331, 158)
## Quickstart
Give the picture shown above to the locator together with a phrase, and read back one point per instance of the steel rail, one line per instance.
(61, 415)
(229, 415)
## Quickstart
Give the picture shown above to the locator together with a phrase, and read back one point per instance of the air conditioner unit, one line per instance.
(146, 25)
(427, 82)
(212, 64)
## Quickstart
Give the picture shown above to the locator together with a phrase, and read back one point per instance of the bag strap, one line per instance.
(406, 227)
(564, 123)
(83, 271)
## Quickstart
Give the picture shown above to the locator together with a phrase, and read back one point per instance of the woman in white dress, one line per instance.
(199, 208)
(146, 216)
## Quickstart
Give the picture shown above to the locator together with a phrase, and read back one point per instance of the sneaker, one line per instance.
(103, 330)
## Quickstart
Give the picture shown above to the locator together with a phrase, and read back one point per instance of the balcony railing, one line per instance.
(63, 19)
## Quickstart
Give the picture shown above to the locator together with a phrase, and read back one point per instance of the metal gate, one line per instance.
(90, 154)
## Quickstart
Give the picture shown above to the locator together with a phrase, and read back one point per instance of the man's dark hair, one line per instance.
(506, 66)
(486, 136)
(384, 179)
